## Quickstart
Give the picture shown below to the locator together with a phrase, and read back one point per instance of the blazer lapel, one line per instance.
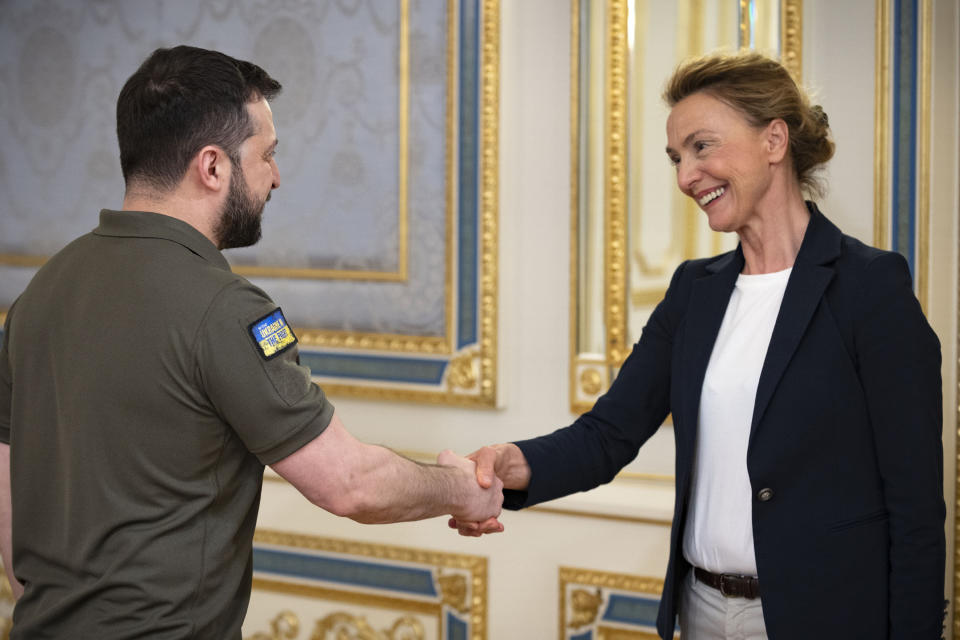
(708, 304)
(808, 281)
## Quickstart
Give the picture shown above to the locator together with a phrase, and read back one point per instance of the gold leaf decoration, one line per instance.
(453, 588)
(463, 374)
(285, 626)
(585, 605)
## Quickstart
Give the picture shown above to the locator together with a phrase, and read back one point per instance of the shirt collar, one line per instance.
(143, 224)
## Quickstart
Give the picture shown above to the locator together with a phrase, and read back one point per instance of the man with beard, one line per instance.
(144, 386)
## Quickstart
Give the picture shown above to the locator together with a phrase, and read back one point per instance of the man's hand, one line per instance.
(499, 463)
(480, 502)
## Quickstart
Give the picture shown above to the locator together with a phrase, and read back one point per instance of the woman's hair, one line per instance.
(762, 90)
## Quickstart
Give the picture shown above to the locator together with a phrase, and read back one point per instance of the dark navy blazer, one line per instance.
(845, 443)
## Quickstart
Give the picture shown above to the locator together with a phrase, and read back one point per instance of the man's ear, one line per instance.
(212, 167)
(777, 139)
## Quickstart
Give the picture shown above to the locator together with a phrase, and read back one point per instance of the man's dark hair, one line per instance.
(180, 100)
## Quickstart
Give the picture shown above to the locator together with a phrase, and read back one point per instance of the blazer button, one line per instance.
(764, 495)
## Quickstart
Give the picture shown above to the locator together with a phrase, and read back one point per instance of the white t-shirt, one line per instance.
(719, 530)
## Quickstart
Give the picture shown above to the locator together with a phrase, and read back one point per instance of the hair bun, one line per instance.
(820, 115)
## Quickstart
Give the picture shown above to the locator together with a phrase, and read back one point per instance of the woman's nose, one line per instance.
(687, 175)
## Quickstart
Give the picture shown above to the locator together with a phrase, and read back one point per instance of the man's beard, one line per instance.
(239, 222)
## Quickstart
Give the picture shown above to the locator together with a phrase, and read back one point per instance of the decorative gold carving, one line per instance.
(584, 605)
(609, 580)
(453, 587)
(462, 372)
(373, 341)
(615, 188)
(489, 200)
(591, 382)
(344, 626)
(361, 598)
(923, 153)
(582, 399)
(881, 132)
(284, 626)
(791, 37)
(473, 566)
(580, 601)
(576, 404)
(450, 164)
(744, 24)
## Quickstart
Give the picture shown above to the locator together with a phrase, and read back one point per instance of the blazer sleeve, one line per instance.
(602, 441)
(899, 363)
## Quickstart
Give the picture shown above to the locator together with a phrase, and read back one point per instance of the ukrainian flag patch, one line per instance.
(272, 334)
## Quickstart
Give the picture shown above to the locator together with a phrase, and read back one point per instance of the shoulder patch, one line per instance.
(272, 335)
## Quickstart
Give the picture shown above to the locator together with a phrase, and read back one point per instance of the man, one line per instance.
(143, 386)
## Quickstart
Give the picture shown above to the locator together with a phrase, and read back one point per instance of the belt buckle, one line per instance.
(723, 582)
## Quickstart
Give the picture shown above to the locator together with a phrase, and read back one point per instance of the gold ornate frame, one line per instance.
(468, 369)
(460, 580)
(580, 608)
(458, 367)
(590, 374)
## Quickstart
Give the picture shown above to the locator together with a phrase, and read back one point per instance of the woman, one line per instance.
(804, 383)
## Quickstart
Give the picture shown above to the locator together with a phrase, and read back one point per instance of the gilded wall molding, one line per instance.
(615, 189)
(426, 331)
(791, 37)
(600, 605)
(364, 590)
(448, 369)
(923, 151)
(882, 128)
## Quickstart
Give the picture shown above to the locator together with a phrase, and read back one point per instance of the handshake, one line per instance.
(487, 472)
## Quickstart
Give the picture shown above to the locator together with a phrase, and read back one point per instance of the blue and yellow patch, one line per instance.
(272, 334)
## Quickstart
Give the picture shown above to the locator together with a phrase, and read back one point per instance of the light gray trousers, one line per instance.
(707, 614)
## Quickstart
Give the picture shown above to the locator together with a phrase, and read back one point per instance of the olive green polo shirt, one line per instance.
(143, 387)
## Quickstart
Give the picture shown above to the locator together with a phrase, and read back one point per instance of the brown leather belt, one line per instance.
(730, 585)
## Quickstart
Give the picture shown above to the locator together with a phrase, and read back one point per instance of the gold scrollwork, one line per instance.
(578, 596)
(791, 33)
(344, 626)
(406, 628)
(462, 373)
(453, 590)
(284, 626)
(615, 189)
(591, 382)
(584, 605)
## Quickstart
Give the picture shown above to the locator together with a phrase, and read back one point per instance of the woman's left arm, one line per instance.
(899, 363)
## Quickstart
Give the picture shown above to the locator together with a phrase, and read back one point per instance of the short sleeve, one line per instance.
(248, 365)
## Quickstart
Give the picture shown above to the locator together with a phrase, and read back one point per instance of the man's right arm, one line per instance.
(372, 484)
